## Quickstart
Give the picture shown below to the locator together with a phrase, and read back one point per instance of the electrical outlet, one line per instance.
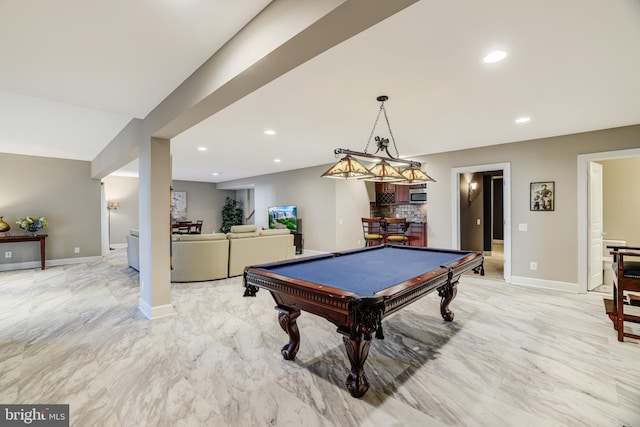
(7, 254)
(76, 250)
(533, 265)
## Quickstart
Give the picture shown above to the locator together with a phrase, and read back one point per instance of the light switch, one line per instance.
(522, 227)
(478, 221)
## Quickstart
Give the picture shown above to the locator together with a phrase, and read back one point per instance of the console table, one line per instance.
(29, 238)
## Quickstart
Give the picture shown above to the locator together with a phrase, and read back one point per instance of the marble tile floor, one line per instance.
(513, 356)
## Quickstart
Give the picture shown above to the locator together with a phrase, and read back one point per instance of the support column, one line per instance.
(154, 205)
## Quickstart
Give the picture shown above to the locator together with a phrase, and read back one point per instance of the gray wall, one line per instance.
(125, 191)
(552, 237)
(621, 211)
(60, 190)
(470, 231)
(63, 191)
(204, 202)
(330, 209)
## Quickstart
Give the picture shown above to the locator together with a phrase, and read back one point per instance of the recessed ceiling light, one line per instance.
(521, 120)
(495, 56)
(202, 148)
(216, 173)
(269, 132)
(276, 160)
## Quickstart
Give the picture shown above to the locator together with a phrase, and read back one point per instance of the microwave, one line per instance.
(417, 195)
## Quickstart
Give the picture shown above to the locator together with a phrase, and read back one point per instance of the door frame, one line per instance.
(455, 207)
(583, 206)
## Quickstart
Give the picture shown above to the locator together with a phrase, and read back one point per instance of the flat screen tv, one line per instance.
(283, 217)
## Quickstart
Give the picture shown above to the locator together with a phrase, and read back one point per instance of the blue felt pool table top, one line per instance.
(368, 271)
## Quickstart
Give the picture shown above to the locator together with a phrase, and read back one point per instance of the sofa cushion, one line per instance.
(242, 235)
(194, 237)
(248, 228)
(274, 231)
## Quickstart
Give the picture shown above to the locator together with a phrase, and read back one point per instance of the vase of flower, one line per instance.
(32, 224)
(4, 227)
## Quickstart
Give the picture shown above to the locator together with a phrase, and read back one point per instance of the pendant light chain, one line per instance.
(389, 126)
(375, 124)
(373, 129)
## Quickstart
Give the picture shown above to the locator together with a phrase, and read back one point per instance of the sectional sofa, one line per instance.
(200, 257)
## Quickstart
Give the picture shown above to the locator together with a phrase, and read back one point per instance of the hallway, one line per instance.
(494, 263)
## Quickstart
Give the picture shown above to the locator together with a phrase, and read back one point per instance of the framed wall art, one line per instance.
(179, 205)
(542, 196)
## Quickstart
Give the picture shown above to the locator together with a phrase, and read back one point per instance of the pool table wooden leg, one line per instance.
(447, 293)
(357, 350)
(287, 319)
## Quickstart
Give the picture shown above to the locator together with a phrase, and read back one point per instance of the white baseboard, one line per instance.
(118, 245)
(48, 263)
(545, 284)
(158, 312)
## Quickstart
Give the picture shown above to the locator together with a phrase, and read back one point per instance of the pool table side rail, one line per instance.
(414, 289)
(324, 301)
(396, 297)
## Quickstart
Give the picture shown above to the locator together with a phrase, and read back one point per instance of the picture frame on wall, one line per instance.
(179, 205)
(542, 196)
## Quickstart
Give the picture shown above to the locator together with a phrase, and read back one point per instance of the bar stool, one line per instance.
(373, 233)
(396, 230)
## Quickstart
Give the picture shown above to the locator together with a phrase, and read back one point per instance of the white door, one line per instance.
(595, 225)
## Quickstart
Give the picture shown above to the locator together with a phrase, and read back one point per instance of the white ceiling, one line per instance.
(572, 66)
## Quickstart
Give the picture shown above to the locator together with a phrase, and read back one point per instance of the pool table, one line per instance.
(356, 289)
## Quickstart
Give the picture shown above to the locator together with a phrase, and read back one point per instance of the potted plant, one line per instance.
(32, 224)
(231, 214)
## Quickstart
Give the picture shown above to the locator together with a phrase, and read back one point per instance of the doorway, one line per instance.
(590, 254)
(464, 198)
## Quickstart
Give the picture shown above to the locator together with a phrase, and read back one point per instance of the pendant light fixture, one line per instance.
(383, 171)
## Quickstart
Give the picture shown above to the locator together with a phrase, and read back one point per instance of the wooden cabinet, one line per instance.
(391, 194)
(385, 194)
(384, 187)
(402, 194)
(417, 234)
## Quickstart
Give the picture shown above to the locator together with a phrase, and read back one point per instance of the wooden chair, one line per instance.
(196, 227)
(626, 268)
(372, 229)
(181, 227)
(396, 230)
